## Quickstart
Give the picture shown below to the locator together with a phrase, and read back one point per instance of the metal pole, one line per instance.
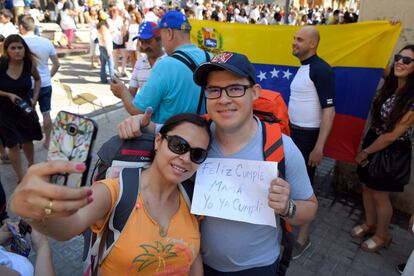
(287, 12)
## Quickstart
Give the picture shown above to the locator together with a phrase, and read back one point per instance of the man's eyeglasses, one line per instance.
(233, 91)
(405, 60)
(180, 146)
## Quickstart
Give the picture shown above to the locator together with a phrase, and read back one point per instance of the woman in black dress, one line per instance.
(18, 127)
(392, 125)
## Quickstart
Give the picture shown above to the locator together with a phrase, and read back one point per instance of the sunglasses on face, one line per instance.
(405, 60)
(180, 146)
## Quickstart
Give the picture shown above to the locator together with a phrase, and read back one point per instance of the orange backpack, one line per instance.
(271, 107)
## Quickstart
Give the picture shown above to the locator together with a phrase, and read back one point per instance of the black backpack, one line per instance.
(189, 62)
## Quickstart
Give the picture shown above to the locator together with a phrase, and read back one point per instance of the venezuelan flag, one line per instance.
(358, 54)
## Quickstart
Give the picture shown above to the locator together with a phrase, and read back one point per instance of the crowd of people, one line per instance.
(173, 82)
(121, 21)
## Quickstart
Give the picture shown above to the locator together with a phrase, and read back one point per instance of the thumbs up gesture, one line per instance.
(134, 126)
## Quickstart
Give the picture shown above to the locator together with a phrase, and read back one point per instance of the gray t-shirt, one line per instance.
(228, 245)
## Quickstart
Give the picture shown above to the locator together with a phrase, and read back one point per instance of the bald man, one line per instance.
(311, 109)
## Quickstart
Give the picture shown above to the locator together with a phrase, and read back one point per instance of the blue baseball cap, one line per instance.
(235, 63)
(174, 20)
(147, 30)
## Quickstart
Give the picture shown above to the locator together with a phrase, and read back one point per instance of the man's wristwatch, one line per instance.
(291, 210)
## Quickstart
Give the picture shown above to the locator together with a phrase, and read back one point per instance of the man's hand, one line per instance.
(315, 157)
(410, 227)
(118, 88)
(133, 126)
(279, 192)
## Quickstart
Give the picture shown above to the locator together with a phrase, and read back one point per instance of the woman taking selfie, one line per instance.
(160, 236)
(19, 124)
(389, 135)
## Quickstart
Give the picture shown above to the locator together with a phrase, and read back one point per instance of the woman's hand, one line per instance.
(33, 102)
(39, 240)
(36, 198)
(14, 98)
(361, 156)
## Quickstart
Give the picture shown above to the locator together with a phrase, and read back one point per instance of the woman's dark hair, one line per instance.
(28, 55)
(403, 102)
(102, 23)
(66, 6)
(181, 118)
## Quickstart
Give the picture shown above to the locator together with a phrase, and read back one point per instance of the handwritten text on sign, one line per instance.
(235, 189)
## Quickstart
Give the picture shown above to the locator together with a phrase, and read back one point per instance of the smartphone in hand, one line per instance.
(72, 139)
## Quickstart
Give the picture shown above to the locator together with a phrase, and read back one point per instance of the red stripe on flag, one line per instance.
(136, 152)
(345, 137)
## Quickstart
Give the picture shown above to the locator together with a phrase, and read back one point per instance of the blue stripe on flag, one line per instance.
(355, 87)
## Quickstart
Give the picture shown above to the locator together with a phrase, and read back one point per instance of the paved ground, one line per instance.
(333, 251)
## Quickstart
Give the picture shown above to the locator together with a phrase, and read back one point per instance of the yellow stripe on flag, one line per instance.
(365, 44)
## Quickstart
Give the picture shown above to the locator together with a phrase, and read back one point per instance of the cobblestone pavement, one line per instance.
(333, 251)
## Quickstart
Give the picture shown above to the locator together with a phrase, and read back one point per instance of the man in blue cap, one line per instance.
(151, 50)
(170, 88)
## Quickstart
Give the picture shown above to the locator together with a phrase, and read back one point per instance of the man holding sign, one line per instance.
(230, 246)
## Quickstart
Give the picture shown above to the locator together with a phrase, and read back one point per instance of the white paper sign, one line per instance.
(235, 189)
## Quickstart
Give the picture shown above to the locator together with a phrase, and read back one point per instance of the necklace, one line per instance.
(163, 231)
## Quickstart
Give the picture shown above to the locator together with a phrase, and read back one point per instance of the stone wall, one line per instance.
(396, 9)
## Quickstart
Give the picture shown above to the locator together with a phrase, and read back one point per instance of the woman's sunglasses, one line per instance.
(405, 60)
(180, 146)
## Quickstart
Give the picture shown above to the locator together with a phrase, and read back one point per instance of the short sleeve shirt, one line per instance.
(230, 246)
(312, 89)
(43, 49)
(141, 250)
(170, 88)
(141, 72)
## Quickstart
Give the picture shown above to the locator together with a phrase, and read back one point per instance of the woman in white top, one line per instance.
(91, 18)
(242, 17)
(118, 25)
(133, 31)
(67, 23)
(6, 26)
(106, 49)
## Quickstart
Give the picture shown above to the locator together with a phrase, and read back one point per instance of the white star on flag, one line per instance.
(286, 74)
(262, 76)
(275, 73)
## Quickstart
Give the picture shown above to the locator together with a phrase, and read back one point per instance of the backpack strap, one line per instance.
(189, 62)
(273, 151)
(273, 145)
(207, 56)
(128, 195)
(185, 58)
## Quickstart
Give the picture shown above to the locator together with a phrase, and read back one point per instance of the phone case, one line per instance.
(71, 139)
(19, 244)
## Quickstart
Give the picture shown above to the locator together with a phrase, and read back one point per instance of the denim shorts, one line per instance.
(45, 98)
